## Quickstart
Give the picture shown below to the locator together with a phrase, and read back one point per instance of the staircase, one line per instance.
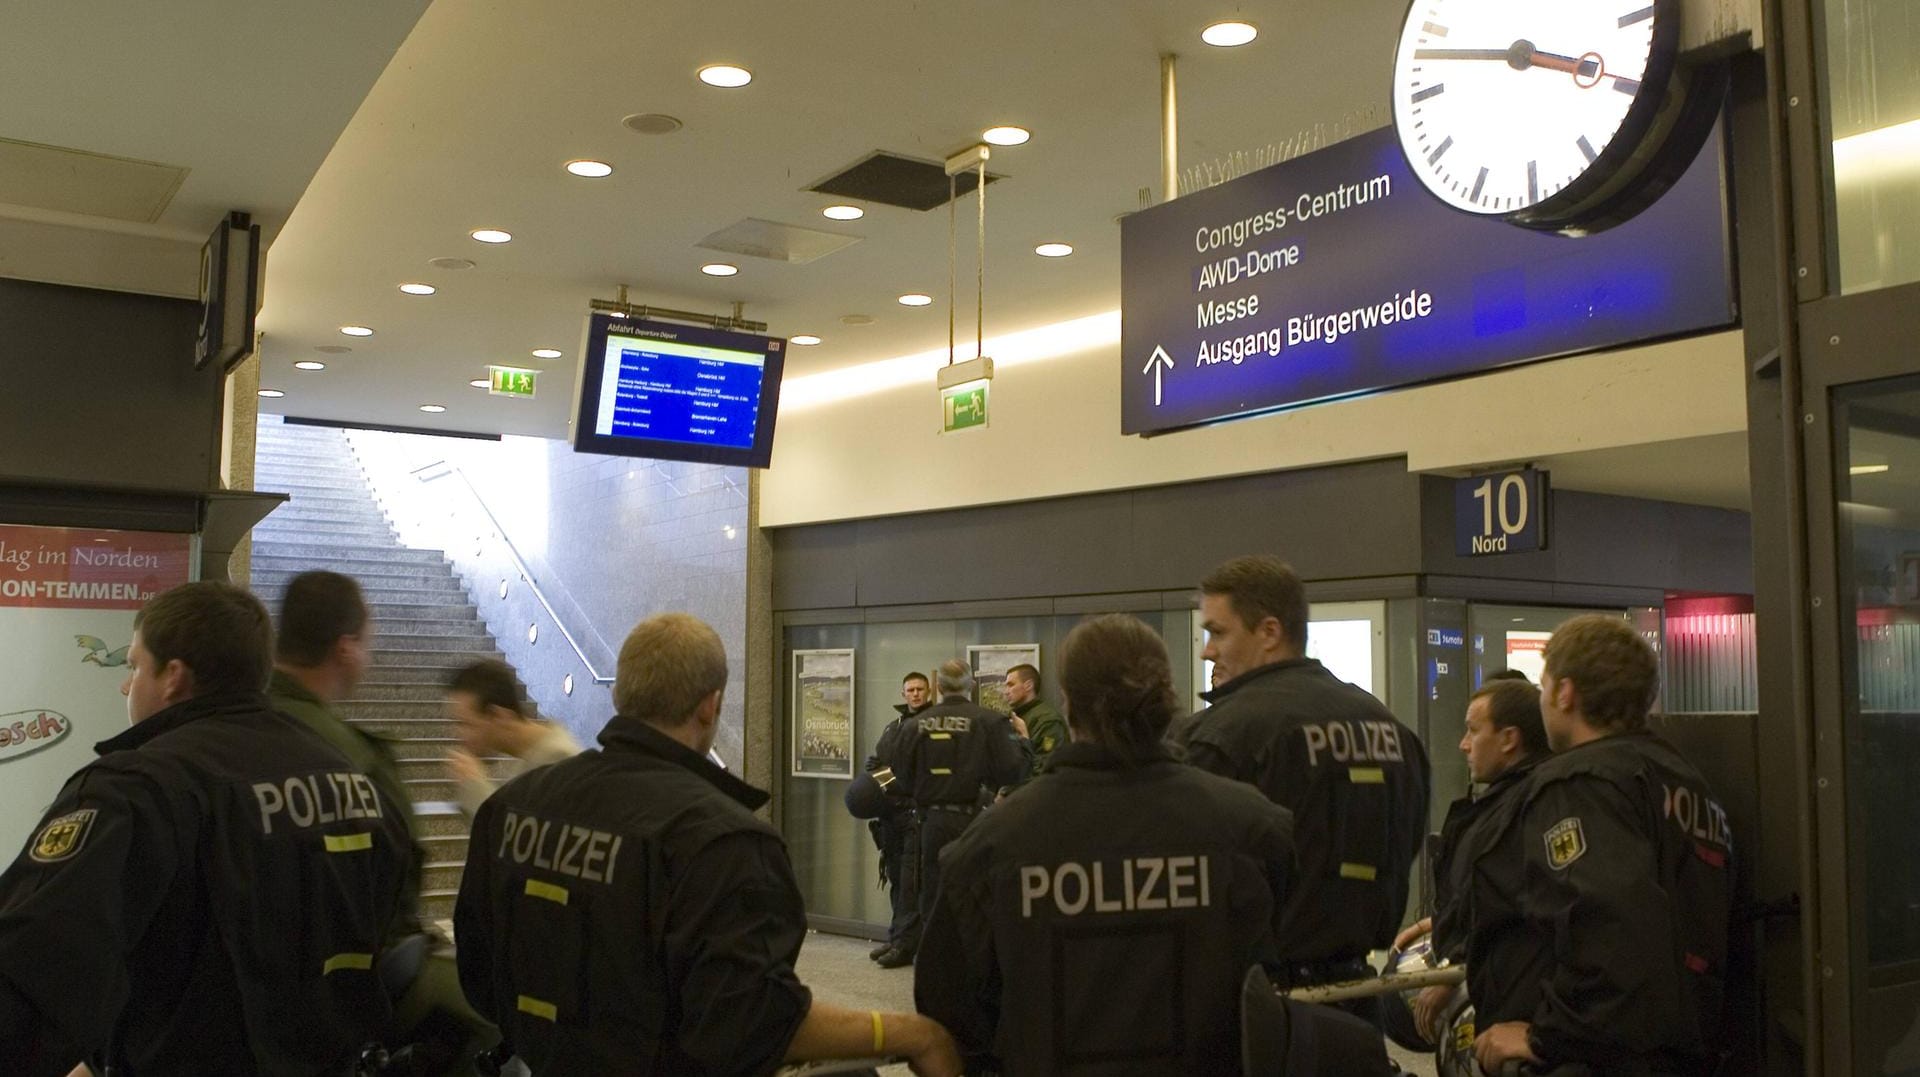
(424, 626)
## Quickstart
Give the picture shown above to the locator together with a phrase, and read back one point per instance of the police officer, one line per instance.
(210, 895)
(1503, 741)
(321, 654)
(944, 759)
(1038, 721)
(1354, 777)
(895, 831)
(625, 912)
(1618, 913)
(1102, 919)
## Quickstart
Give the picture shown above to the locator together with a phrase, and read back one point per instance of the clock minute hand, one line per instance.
(1520, 56)
(1460, 54)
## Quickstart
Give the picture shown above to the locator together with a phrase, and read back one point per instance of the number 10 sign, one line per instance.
(1502, 513)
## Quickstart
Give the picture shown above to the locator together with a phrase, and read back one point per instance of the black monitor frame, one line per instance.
(593, 369)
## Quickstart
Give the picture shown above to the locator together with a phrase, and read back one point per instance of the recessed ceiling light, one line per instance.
(1228, 34)
(915, 299)
(1006, 136)
(843, 213)
(271, 393)
(418, 289)
(546, 353)
(491, 235)
(332, 349)
(481, 383)
(590, 169)
(805, 340)
(433, 409)
(309, 364)
(450, 263)
(719, 269)
(1053, 250)
(356, 330)
(651, 123)
(725, 75)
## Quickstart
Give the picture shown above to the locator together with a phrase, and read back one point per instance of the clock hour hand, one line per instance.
(1520, 56)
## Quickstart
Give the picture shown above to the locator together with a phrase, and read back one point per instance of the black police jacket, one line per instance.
(624, 912)
(1476, 830)
(1101, 920)
(209, 896)
(1620, 911)
(1356, 781)
(950, 752)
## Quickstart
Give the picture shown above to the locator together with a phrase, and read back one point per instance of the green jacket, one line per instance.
(1046, 730)
(372, 757)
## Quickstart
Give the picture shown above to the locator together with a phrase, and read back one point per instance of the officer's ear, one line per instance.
(708, 712)
(1508, 738)
(176, 682)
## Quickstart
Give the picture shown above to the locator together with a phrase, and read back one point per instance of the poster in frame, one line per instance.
(990, 663)
(823, 713)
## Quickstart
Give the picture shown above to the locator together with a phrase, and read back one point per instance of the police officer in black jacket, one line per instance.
(1504, 740)
(945, 760)
(210, 895)
(895, 831)
(1354, 777)
(625, 912)
(1101, 919)
(1618, 915)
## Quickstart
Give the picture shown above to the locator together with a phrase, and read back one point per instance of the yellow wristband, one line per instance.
(879, 1033)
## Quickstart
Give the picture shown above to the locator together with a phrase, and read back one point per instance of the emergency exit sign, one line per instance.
(511, 381)
(964, 406)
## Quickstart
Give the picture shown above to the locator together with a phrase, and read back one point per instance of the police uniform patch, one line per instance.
(1566, 842)
(62, 837)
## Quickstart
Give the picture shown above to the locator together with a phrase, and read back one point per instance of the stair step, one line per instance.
(381, 709)
(440, 628)
(443, 663)
(423, 748)
(389, 613)
(354, 501)
(392, 574)
(390, 641)
(500, 768)
(442, 875)
(402, 727)
(432, 788)
(323, 486)
(316, 524)
(436, 905)
(407, 669)
(397, 554)
(445, 848)
(379, 587)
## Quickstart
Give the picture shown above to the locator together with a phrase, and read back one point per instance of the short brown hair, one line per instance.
(319, 607)
(217, 630)
(1119, 684)
(916, 675)
(1515, 704)
(667, 665)
(1612, 667)
(492, 683)
(1260, 587)
(1027, 674)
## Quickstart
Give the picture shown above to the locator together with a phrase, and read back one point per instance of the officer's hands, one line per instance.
(1503, 1043)
(1412, 932)
(465, 767)
(1428, 1006)
(1018, 723)
(930, 1050)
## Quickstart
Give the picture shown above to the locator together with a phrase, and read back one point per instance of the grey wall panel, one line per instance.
(103, 390)
(814, 567)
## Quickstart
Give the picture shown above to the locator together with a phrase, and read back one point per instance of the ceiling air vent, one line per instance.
(893, 180)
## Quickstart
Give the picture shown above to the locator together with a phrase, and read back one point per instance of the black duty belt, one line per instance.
(955, 808)
(1308, 974)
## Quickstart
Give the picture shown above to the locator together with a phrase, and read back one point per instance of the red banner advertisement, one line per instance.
(79, 569)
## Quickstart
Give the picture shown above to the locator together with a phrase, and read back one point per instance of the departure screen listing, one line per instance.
(672, 391)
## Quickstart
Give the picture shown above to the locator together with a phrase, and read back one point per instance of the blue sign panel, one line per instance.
(1503, 513)
(1337, 273)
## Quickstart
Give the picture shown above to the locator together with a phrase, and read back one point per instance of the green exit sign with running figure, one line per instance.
(511, 381)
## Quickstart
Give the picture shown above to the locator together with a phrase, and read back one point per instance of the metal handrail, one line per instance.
(519, 563)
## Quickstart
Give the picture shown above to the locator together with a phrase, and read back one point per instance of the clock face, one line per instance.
(1502, 104)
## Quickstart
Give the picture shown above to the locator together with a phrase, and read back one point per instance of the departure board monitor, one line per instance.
(677, 392)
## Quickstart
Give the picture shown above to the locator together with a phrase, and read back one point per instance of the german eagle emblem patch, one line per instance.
(1566, 843)
(62, 837)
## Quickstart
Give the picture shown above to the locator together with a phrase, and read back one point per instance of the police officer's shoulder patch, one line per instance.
(1566, 842)
(62, 837)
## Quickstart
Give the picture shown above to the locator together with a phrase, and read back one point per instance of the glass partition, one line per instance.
(1873, 118)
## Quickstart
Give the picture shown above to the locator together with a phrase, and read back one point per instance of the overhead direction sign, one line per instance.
(1336, 274)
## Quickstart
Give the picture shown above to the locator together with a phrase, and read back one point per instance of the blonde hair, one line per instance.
(668, 664)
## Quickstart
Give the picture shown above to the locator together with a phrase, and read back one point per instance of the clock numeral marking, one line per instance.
(1642, 15)
(1626, 86)
(1434, 28)
(1587, 148)
(1533, 182)
(1422, 95)
(1478, 184)
(1434, 157)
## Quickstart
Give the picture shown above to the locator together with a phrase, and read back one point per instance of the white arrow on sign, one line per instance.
(1157, 366)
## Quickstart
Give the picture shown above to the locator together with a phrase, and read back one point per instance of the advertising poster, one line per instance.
(990, 665)
(1527, 652)
(823, 714)
(67, 600)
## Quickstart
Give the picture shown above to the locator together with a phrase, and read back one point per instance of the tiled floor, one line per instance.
(837, 970)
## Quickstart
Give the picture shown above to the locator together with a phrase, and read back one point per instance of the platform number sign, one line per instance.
(1502, 513)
